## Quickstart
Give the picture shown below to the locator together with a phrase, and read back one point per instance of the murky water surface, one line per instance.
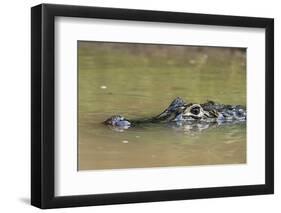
(139, 81)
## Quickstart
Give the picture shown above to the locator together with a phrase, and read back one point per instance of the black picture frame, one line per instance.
(43, 102)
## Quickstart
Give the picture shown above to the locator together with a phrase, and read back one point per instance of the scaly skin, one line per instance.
(181, 113)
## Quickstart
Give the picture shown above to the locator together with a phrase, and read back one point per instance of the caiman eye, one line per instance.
(195, 110)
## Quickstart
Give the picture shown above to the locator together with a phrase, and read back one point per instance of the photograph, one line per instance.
(138, 105)
(146, 105)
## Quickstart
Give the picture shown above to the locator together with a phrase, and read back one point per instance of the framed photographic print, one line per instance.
(140, 106)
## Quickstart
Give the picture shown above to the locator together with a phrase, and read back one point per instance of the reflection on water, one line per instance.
(139, 81)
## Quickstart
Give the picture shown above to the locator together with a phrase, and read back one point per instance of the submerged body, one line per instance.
(188, 115)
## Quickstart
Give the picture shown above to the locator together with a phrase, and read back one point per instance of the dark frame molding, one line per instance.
(42, 105)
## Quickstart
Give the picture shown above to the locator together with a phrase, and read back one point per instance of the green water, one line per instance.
(139, 81)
